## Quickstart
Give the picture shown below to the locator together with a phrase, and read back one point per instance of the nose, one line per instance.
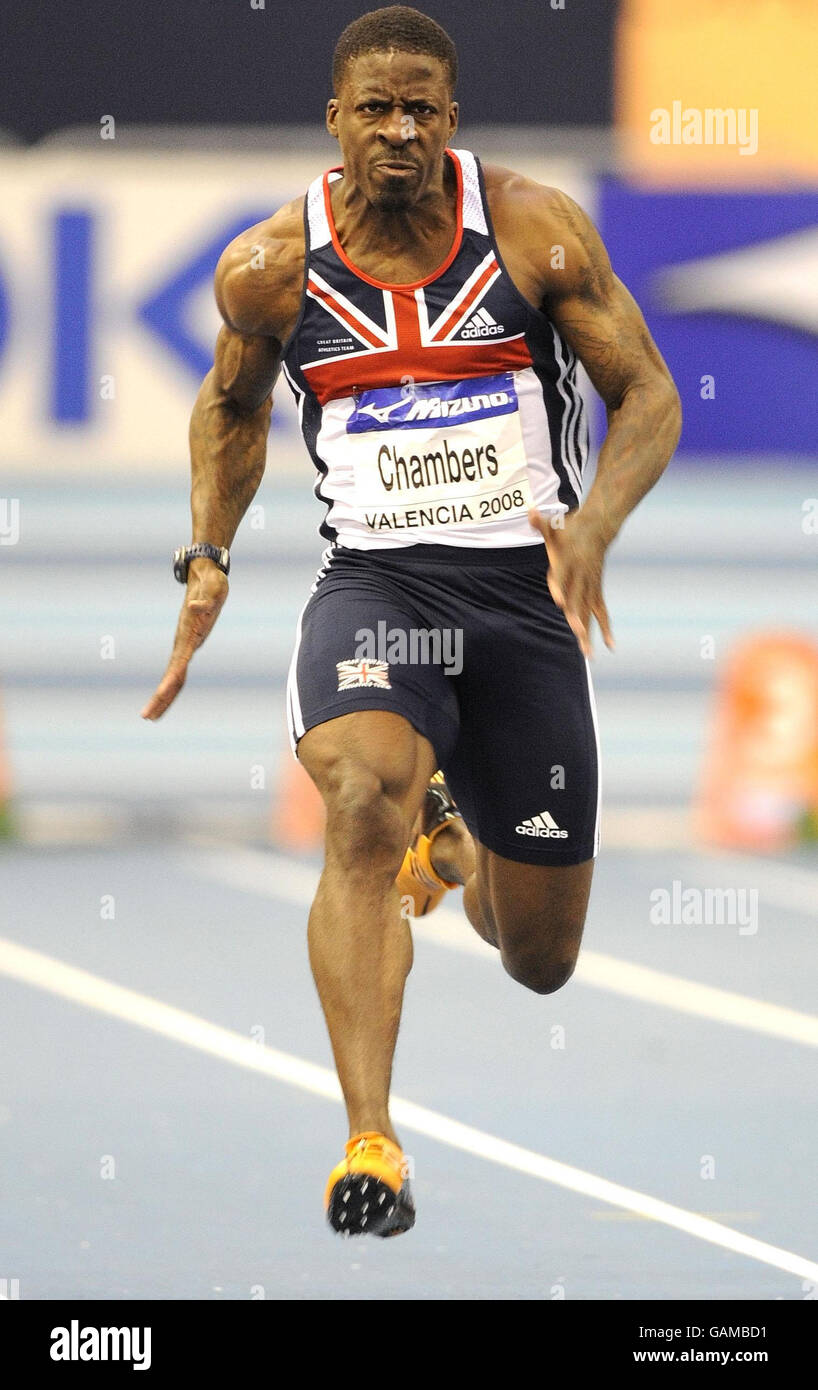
(391, 128)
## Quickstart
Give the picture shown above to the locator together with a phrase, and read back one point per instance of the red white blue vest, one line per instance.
(435, 412)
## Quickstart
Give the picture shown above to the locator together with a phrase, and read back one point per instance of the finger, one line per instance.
(568, 582)
(550, 532)
(198, 618)
(166, 691)
(580, 630)
(600, 612)
(577, 612)
(538, 522)
(556, 590)
(553, 544)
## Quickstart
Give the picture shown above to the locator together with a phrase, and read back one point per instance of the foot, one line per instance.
(368, 1192)
(418, 879)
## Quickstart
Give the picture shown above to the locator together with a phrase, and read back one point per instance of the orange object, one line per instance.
(298, 817)
(371, 1155)
(717, 92)
(418, 878)
(760, 788)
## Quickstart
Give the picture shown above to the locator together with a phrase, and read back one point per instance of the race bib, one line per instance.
(446, 454)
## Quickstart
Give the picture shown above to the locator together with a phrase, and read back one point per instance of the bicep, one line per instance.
(597, 315)
(257, 301)
(611, 339)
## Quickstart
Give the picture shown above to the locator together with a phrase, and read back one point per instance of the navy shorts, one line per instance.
(471, 649)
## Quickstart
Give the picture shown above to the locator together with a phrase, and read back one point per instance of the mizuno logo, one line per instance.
(421, 404)
(482, 325)
(433, 408)
(543, 826)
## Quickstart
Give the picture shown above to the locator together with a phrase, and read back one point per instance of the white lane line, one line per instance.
(80, 987)
(275, 876)
(689, 997)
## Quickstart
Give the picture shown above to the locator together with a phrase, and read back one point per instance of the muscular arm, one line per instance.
(228, 433)
(258, 288)
(596, 315)
(602, 322)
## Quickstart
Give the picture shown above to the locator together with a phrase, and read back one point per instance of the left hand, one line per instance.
(576, 554)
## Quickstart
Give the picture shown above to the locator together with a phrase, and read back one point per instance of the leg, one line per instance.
(372, 769)
(534, 914)
(537, 913)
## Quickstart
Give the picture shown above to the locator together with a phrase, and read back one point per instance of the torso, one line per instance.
(436, 401)
(410, 263)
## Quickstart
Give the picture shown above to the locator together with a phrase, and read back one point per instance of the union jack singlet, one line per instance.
(436, 412)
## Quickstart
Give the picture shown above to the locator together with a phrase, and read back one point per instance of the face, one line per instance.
(393, 118)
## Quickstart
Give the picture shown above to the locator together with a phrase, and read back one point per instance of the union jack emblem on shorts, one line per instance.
(352, 674)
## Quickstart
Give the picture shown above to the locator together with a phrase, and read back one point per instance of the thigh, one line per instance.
(525, 769)
(354, 655)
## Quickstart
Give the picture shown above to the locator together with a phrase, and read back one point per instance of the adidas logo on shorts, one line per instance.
(544, 826)
(482, 325)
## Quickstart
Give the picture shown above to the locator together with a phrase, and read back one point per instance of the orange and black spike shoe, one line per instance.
(368, 1192)
(417, 879)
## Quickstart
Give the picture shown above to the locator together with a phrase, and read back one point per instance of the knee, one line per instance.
(364, 823)
(541, 953)
(537, 971)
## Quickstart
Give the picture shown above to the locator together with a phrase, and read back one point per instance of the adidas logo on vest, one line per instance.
(543, 826)
(482, 325)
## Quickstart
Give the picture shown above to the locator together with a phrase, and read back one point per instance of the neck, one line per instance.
(419, 224)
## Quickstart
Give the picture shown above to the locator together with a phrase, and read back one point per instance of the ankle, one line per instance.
(375, 1125)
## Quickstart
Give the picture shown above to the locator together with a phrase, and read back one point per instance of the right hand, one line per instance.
(207, 589)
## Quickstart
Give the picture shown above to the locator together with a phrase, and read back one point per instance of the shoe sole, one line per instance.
(362, 1205)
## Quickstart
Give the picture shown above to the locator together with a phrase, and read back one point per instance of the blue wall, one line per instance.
(763, 355)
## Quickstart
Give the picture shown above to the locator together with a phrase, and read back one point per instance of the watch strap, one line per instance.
(200, 550)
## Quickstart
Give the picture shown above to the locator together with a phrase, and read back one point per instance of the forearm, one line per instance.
(643, 431)
(227, 453)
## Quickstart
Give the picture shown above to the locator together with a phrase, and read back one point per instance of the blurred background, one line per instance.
(135, 142)
(180, 858)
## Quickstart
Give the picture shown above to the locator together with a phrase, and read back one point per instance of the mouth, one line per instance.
(396, 166)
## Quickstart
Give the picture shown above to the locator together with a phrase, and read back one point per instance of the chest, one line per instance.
(411, 262)
(401, 265)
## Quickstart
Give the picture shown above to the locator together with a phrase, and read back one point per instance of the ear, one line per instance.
(454, 114)
(332, 116)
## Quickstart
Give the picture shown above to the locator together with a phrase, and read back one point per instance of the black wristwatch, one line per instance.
(182, 557)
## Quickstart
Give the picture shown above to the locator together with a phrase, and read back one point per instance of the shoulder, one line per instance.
(513, 196)
(549, 233)
(260, 273)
